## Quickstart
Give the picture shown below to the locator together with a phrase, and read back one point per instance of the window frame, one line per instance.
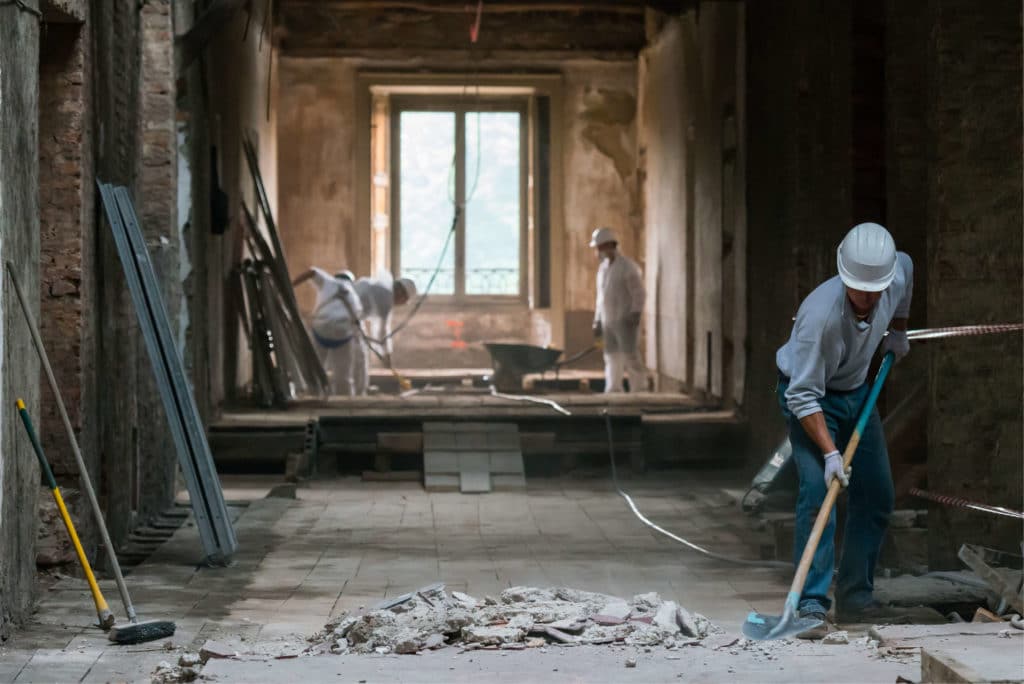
(462, 106)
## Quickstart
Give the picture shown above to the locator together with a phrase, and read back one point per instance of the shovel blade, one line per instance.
(764, 627)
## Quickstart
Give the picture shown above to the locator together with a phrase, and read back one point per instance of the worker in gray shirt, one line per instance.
(823, 371)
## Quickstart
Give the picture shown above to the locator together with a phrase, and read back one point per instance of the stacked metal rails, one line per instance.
(285, 363)
(204, 490)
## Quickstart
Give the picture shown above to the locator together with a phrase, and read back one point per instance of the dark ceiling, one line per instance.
(353, 27)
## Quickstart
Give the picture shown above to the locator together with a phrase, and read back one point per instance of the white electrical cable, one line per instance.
(657, 528)
(535, 400)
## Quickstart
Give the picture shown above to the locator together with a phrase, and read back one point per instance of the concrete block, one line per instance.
(441, 462)
(475, 462)
(471, 440)
(475, 427)
(443, 482)
(473, 482)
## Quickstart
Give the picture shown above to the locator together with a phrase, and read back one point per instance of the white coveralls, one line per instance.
(376, 296)
(334, 329)
(620, 298)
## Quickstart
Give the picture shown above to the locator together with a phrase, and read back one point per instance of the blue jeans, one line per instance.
(870, 503)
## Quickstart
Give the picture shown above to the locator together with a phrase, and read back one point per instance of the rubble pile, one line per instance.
(520, 617)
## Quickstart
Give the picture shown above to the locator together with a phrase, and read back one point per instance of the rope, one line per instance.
(959, 502)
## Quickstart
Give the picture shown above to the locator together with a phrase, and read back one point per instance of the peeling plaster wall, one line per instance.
(695, 230)
(316, 134)
(19, 369)
(601, 183)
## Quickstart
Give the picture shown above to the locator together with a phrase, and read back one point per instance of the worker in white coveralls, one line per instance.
(620, 304)
(335, 326)
(823, 383)
(378, 296)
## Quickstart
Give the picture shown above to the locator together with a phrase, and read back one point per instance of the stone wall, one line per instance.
(19, 245)
(974, 271)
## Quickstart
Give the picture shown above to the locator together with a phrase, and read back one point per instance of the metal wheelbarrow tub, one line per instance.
(513, 361)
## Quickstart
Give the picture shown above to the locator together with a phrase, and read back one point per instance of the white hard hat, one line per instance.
(602, 236)
(867, 258)
(408, 285)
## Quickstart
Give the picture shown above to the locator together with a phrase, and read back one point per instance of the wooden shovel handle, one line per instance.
(825, 511)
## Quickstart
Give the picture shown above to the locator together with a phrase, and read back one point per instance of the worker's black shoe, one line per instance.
(815, 633)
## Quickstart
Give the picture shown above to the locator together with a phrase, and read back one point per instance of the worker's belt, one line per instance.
(331, 344)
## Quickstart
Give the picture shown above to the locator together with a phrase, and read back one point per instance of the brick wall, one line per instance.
(66, 234)
(975, 273)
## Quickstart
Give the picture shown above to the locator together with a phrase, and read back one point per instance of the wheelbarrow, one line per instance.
(512, 361)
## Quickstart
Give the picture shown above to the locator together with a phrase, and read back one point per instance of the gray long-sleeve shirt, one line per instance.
(829, 349)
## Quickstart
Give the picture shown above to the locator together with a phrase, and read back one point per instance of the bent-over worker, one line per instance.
(377, 297)
(335, 317)
(823, 383)
(620, 304)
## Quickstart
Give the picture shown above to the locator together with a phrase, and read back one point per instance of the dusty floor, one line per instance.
(345, 544)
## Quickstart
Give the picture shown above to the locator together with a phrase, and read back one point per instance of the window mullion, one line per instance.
(460, 199)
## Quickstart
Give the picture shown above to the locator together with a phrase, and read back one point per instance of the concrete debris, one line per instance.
(468, 600)
(521, 617)
(166, 673)
(840, 637)
(617, 609)
(630, 662)
(492, 635)
(189, 660)
(686, 623)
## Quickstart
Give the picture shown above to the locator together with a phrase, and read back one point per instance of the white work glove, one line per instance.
(897, 343)
(834, 469)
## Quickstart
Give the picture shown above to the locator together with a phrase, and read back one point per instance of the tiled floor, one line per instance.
(345, 544)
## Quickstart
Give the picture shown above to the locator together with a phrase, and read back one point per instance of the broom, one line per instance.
(136, 632)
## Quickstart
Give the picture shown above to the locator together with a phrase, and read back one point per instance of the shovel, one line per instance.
(760, 627)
